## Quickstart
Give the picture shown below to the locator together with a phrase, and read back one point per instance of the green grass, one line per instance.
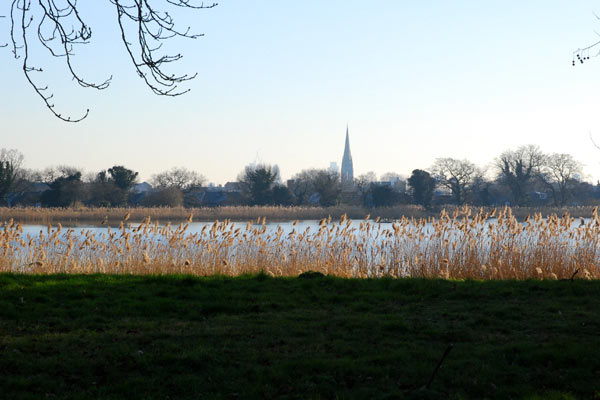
(174, 337)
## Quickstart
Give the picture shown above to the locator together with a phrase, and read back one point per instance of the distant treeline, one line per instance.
(522, 177)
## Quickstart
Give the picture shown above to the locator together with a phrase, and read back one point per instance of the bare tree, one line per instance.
(302, 185)
(398, 181)
(324, 182)
(329, 186)
(456, 175)
(581, 55)
(13, 156)
(365, 179)
(363, 184)
(517, 168)
(59, 27)
(181, 178)
(391, 177)
(558, 174)
(50, 174)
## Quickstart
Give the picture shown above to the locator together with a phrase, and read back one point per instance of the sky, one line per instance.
(279, 81)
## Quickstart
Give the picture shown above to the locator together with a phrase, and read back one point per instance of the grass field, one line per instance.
(147, 337)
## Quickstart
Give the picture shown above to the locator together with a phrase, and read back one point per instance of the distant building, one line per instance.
(397, 184)
(143, 187)
(334, 168)
(213, 197)
(233, 187)
(347, 166)
(277, 173)
(28, 197)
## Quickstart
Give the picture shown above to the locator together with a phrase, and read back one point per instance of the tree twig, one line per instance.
(60, 28)
(574, 273)
(439, 364)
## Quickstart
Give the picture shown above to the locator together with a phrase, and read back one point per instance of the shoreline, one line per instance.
(100, 216)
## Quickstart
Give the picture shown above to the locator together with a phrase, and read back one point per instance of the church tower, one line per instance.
(347, 167)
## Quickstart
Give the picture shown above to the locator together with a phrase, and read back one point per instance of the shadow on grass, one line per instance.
(107, 336)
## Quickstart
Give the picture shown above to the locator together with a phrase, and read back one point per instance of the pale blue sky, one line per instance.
(279, 80)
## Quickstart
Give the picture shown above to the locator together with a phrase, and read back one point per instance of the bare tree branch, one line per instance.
(583, 54)
(3, 44)
(60, 27)
(593, 142)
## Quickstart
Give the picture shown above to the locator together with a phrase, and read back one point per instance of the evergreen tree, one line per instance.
(257, 183)
(422, 185)
(7, 179)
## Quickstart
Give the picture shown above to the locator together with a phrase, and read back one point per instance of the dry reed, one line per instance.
(464, 245)
(98, 215)
(101, 215)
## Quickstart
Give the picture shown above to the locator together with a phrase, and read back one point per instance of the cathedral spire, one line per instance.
(347, 167)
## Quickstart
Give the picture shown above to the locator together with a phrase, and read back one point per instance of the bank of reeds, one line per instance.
(100, 215)
(465, 245)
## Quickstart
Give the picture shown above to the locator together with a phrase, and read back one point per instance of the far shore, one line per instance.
(99, 216)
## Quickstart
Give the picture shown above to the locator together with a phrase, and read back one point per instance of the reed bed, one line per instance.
(99, 215)
(105, 215)
(469, 244)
